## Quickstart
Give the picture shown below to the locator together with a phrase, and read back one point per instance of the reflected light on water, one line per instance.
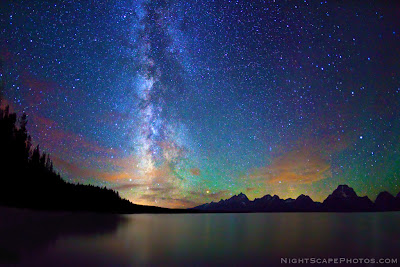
(227, 239)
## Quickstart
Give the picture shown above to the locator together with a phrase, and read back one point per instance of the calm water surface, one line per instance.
(200, 239)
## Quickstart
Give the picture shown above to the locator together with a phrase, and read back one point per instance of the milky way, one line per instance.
(159, 143)
(177, 103)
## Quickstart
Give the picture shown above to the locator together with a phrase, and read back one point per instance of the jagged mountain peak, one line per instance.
(385, 200)
(264, 198)
(385, 195)
(344, 191)
(343, 198)
(241, 196)
(275, 197)
(303, 197)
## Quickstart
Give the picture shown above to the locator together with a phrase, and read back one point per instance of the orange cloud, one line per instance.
(45, 122)
(5, 54)
(195, 171)
(179, 203)
(129, 186)
(53, 137)
(4, 103)
(213, 195)
(85, 173)
(168, 202)
(39, 88)
(298, 166)
(73, 168)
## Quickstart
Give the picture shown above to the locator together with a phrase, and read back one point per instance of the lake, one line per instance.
(67, 239)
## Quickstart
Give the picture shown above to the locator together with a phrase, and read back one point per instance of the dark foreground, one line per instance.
(38, 238)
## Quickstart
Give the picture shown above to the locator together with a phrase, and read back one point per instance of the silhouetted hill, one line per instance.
(342, 199)
(269, 203)
(238, 203)
(398, 200)
(263, 203)
(305, 203)
(28, 179)
(385, 201)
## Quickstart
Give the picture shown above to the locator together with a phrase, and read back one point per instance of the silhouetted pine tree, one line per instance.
(28, 178)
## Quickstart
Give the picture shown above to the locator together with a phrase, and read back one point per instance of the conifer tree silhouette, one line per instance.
(28, 178)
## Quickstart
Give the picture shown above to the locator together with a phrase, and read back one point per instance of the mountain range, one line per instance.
(342, 199)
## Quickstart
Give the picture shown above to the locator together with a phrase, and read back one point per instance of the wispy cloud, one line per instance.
(39, 90)
(195, 171)
(76, 170)
(129, 186)
(5, 103)
(298, 166)
(167, 201)
(53, 136)
(217, 195)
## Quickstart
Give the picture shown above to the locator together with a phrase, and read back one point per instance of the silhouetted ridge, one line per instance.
(265, 198)
(304, 199)
(342, 199)
(242, 196)
(28, 180)
(237, 202)
(239, 198)
(344, 192)
(304, 203)
(398, 201)
(385, 200)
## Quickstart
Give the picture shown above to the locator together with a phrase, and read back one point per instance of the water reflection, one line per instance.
(220, 239)
(27, 234)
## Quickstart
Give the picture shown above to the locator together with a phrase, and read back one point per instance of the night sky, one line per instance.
(178, 103)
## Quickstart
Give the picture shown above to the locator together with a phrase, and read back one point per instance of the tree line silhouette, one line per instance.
(28, 179)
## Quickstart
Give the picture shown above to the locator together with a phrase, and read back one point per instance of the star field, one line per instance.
(178, 103)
